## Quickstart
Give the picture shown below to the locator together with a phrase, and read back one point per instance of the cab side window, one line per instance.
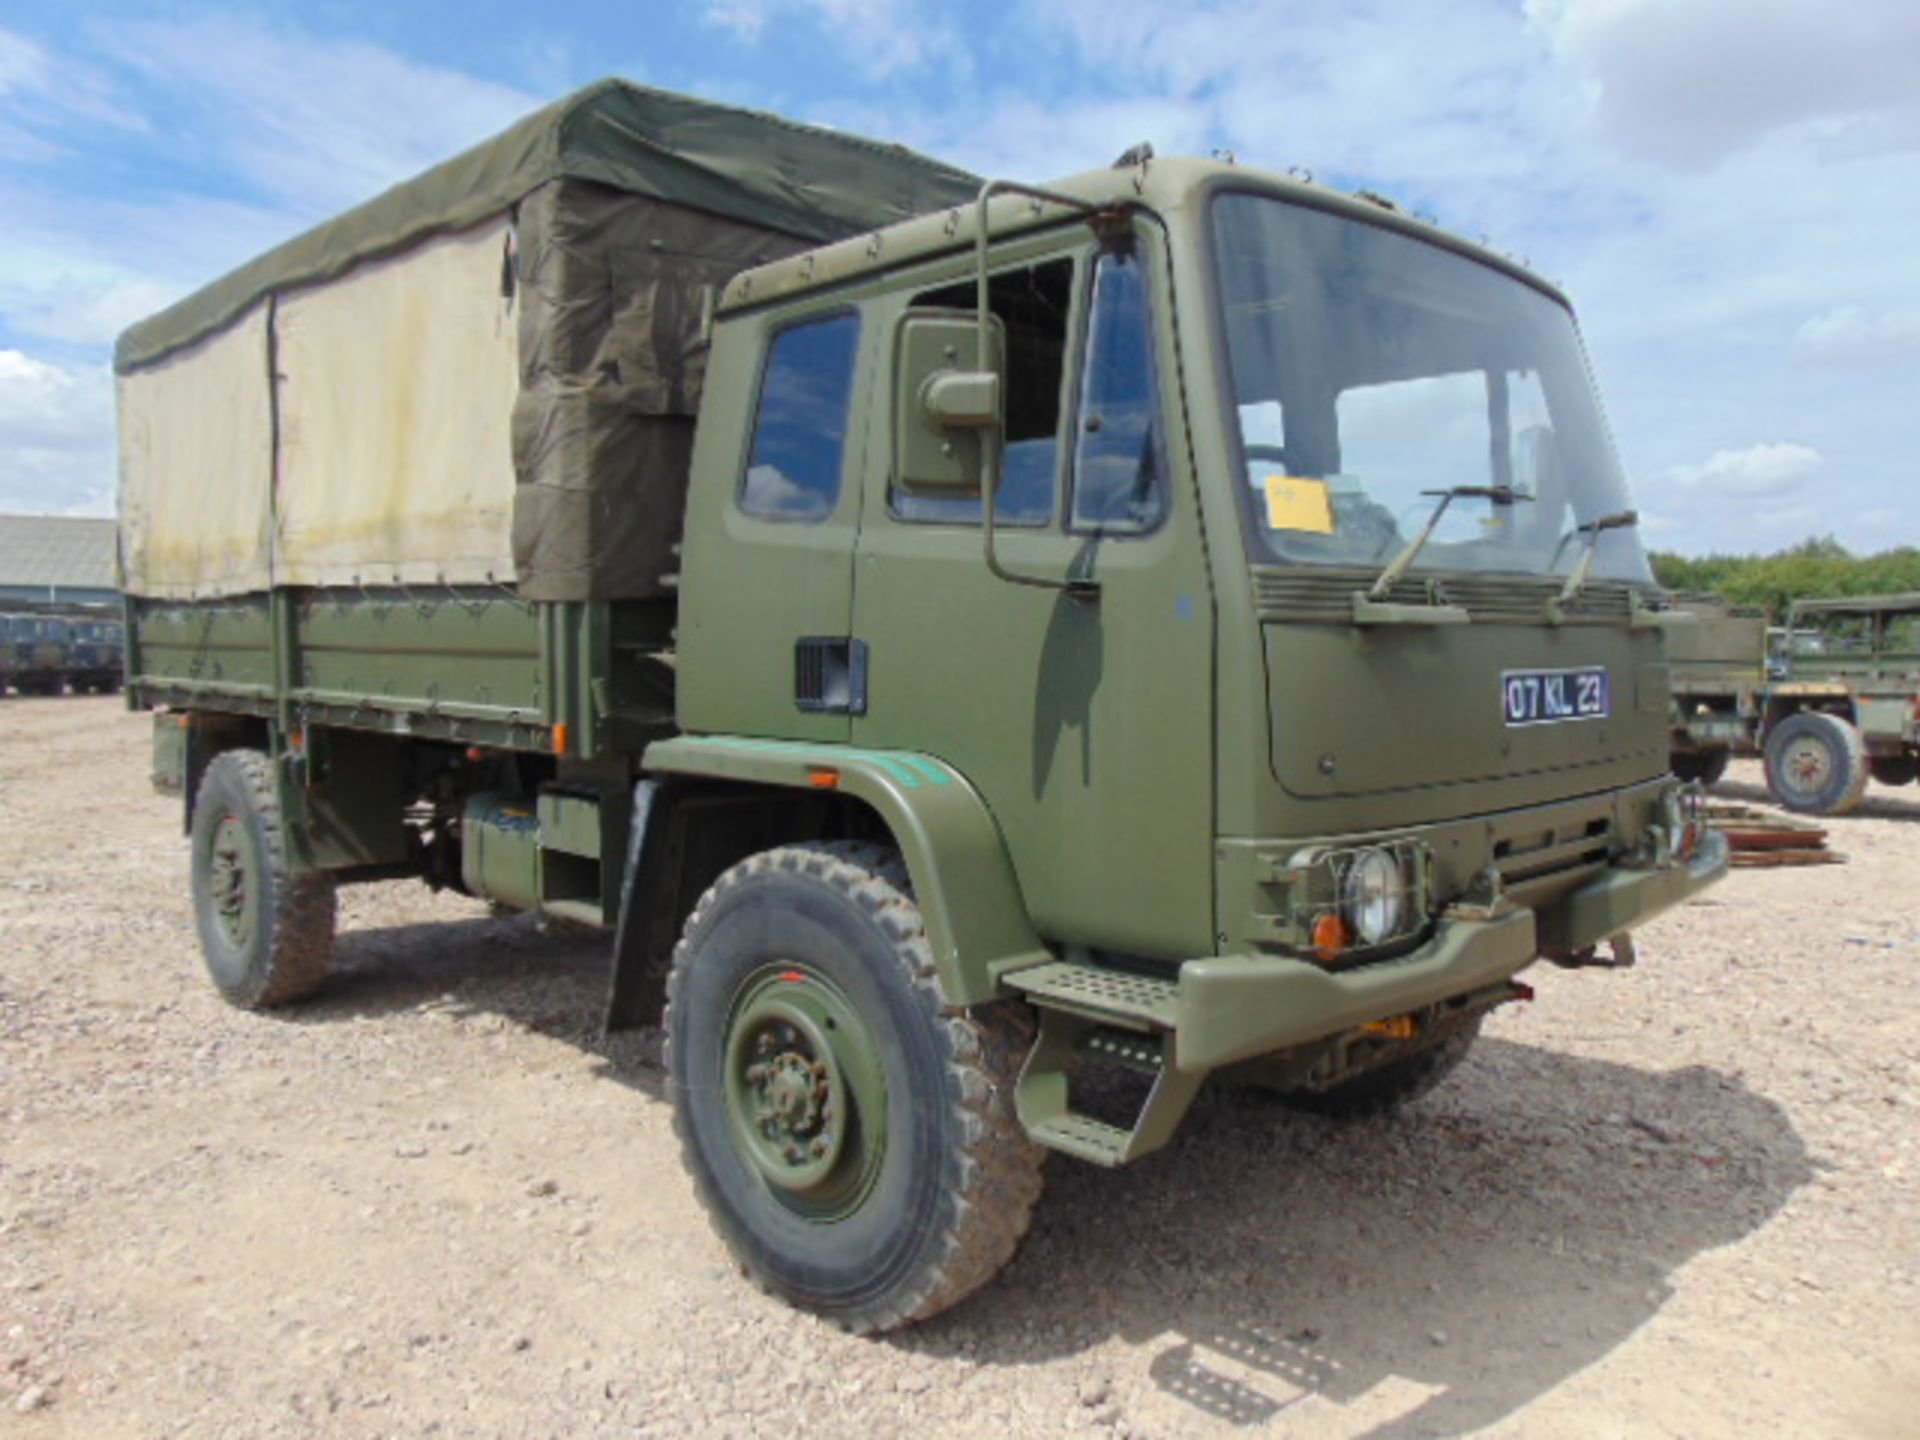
(1032, 305)
(800, 426)
(1119, 463)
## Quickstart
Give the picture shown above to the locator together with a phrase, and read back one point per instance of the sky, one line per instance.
(1729, 189)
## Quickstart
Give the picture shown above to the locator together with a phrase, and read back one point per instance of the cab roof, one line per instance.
(1162, 185)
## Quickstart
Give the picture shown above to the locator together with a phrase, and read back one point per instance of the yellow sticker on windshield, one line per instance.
(1297, 503)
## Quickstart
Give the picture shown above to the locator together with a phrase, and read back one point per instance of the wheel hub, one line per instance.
(230, 880)
(804, 1091)
(1808, 764)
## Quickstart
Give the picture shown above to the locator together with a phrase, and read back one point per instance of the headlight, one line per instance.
(1373, 896)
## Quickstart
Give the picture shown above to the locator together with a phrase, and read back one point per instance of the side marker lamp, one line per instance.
(1330, 936)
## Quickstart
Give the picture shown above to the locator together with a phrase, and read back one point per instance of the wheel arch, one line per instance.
(963, 878)
(1785, 703)
(211, 733)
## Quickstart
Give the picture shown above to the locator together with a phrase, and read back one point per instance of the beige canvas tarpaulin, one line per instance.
(449, 411)
(196, 448)
(396, 399)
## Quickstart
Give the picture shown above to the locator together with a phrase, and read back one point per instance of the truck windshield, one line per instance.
(1371, 369)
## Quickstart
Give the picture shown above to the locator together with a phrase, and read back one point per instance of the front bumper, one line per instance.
(1234, 1007)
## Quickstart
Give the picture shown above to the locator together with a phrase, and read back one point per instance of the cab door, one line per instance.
(1085, 722)
(772, 514)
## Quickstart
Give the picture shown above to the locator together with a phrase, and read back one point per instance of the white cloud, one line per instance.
(319, 123)
(882, 37)
(23, 64)
(1759, 472)
(1688, 82)
(56, 436)
(1855, 338)
(52, 93)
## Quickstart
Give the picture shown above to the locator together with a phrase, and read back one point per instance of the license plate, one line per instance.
(1541, 697)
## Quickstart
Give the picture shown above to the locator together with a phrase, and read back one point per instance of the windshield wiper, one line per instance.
(1401, 563)
(1593, 529)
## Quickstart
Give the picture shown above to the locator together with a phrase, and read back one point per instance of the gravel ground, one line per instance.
(1674, 1201)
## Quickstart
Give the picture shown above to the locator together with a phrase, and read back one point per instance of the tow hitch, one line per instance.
(1619, 955)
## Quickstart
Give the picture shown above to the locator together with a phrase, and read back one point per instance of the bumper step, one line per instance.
(1111, 1017)
(1113, 997)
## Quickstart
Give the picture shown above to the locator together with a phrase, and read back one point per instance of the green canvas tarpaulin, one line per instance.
(747, 165)
(619, 209)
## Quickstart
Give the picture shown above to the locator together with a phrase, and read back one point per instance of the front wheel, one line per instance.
(856, 1148)
(1816, 763)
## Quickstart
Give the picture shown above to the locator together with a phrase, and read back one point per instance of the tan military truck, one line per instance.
(1828, 700)
(1854, 661)
(958, 637)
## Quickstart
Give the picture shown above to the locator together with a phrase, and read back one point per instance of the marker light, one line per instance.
(1330, 936)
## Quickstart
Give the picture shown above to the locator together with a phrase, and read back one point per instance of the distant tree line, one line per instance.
(1810, 570)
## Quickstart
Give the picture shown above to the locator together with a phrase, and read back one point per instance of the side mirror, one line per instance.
(947, 407)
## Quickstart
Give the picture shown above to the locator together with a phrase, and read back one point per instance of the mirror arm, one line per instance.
(989, 464)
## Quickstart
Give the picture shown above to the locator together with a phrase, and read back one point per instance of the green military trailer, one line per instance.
(1718, 679)
(1827, 701)
(1180, 623)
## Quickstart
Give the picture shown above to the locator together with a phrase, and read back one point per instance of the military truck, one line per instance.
(33, 651)
(1852, 666)
(1828, 699)
(96, 653)
(1719, 679)
(991, 671)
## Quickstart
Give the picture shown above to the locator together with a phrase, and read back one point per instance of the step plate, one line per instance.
(1085, 1137)
(1091, 990)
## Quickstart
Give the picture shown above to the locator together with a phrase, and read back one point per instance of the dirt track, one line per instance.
(1678, 1201)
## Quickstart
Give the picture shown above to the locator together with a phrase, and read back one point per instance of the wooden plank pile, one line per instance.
(1762, 837)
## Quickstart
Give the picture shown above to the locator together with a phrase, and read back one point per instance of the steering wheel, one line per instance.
(1275, 453)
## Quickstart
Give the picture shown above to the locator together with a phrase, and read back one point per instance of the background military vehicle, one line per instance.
(47, 649)
(96, 653)
(1855, 663)
(1069, 638)
(33, 651)
(1827, 699)
(1719, 676)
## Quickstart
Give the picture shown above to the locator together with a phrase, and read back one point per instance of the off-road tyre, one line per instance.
(951, 1192)
(1816, 764)
(1895, 769)
(1706, 766)
(266, 929)
(1387, 1087)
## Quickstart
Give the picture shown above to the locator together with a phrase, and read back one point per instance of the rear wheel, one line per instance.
(266, 930)
(1705, 766)
(1816, 763)
(856, 1148)
(1389, 1086)
(1895, 769)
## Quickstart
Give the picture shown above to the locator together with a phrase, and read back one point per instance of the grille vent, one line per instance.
(1327, 595)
